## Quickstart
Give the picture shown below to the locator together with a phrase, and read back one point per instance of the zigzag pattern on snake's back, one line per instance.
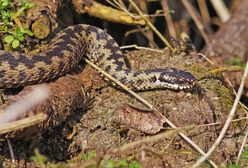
(65, 52)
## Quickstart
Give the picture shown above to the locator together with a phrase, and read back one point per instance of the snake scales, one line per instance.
(66, 51)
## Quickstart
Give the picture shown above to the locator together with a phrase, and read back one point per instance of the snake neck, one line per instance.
(168, 78)
(137, 80)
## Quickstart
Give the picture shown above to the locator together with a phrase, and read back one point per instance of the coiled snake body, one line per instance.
(66, 51)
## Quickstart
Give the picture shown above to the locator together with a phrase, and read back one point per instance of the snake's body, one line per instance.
(66, 51)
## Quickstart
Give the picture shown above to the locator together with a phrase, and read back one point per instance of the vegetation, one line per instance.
(42, 161)
(10, 26)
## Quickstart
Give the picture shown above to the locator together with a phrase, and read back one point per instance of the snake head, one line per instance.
(176, 79)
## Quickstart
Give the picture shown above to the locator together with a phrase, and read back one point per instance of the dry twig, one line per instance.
(99, 10)
(168, 18)
(195, 16)
(227, 123)
(221, 10)
(151, 25)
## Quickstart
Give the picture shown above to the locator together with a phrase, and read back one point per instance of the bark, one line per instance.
(43, 17)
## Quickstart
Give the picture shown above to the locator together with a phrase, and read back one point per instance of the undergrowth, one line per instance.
(42, 161)
(11, 28)
(243, 160)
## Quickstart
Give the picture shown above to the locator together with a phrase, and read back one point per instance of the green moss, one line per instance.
(41, 28)
(235, 61)
(221, 91)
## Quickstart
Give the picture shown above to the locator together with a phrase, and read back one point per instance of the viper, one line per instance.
(66, 51)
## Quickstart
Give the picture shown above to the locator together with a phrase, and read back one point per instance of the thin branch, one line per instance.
(204, 11)
(197, 19)
(167, 134)
(168, 18)
(140, 48)
(11, 151)
(242, 147)
(221, 10)
(151, 25)
(23, 123)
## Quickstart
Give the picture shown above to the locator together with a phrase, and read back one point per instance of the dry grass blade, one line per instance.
(221, 10)
(168, 18)
(23, 123)
(167, 134)
(140, 48)
(151, 26)
(195, 16)
(228, 121)
(242, 147)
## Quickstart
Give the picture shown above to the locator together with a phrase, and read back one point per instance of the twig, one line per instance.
(146, 31)
(205, 16)
(221, 10)
(149, 33)
(140, 48)
(168, 18)
(132, 31)
(151, 26)
(195, 16)
(242, 147)
(204, 11)
(11, 151)
(153, 138)
(205, 57)
(218, 123)
(23, 123)
(228, 121)
(108, 13)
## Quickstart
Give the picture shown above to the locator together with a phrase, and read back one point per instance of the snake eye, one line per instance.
(176, 79)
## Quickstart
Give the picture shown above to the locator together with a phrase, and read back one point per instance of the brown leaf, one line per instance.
(145, 121)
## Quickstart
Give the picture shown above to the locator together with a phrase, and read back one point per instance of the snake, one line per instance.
(66, 51)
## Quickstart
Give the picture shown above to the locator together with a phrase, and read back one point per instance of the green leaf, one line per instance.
(244, 156)
(235, 61)
(26, 5)
(29, 32)
(18, 31)
(38, 158)
(123, 163)
(20, 37)
(134, 164)
(109, 163)
(8, 39)
(5, 3)
(15, 43)
(234, 166)
(89, 155)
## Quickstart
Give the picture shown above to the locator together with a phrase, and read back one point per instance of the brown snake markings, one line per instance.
(66, 51)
